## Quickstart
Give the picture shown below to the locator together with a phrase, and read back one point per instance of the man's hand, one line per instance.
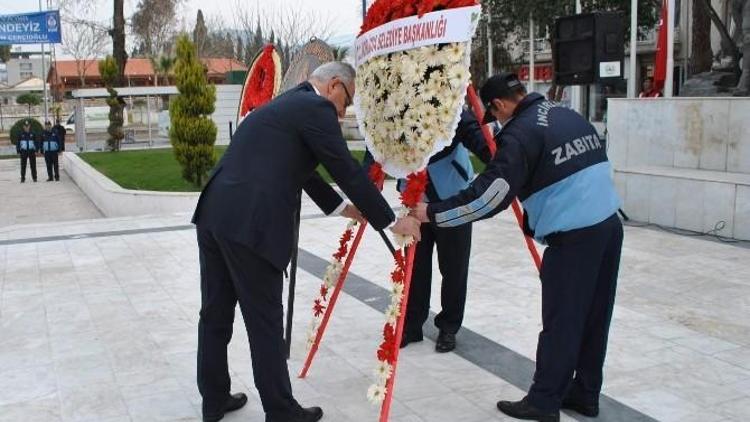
(420, 212)
(351, 212)
(408, 226)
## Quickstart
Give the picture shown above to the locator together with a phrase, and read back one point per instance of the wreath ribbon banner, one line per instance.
(441, 27)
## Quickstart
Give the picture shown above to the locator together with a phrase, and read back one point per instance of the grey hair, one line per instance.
(330, 70)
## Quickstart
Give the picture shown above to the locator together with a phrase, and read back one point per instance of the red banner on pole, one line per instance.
(660, 67)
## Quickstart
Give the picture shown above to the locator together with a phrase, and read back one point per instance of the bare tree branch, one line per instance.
(84, 38)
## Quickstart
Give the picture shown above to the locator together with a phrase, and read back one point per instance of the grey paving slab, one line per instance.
(97, 322)
(41, 202)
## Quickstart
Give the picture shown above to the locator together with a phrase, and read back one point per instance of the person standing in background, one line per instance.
(51, 149)
(27, 147)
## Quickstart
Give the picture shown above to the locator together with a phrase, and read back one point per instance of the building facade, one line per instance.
(23, 67)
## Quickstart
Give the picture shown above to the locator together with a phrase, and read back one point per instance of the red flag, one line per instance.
(660, 68)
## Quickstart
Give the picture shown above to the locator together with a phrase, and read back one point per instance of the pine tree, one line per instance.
(200, 33)
(109, 71)
(240, 48)
(192, 132)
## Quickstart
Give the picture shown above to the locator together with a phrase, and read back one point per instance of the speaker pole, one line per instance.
(532, 59)
(575, 95)
(669, 82)
(632, 78)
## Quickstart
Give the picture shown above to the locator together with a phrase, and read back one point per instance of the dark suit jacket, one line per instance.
(251, 197)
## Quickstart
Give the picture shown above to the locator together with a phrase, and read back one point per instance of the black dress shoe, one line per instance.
(523, 410)
(49, 179)
(446, 342)
(301, 414)
(234, 402)
(411, 338)
(586, 409)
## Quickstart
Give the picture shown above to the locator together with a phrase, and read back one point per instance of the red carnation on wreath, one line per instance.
(382, 12)
(263, 81)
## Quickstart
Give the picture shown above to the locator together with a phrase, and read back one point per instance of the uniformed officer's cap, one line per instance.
(502, 85)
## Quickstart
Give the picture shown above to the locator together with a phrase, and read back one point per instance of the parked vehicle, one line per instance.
(97, 119)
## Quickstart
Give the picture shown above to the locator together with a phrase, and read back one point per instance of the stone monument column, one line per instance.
(741, 14)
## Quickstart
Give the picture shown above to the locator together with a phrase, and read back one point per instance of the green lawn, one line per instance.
(157, 169)
(154, 169)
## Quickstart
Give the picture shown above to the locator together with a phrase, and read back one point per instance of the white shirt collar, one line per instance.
(315, 88)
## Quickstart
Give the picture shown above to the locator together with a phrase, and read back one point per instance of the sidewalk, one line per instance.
(41, 202)
(98, 323)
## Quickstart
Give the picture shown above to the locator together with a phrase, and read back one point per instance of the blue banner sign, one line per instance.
(31, 28)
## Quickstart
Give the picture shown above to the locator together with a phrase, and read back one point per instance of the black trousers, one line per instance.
(454, 250)
(579, 279)
(231, 272)
(52, 162)
(29, 156)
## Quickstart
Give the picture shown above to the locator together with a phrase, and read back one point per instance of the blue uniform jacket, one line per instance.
(549, 157)
(26, 143)
(50, 141)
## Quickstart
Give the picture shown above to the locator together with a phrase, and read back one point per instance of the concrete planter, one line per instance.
(114, 201)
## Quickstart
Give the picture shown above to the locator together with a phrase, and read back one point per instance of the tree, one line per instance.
(109, 72)
(702, 57)
(510, 18)
(29, 99)
(4, 53)
(192, 132)
(118, 40)
(240, 48)
(289, 25)
(84, 37)
(200, 34)
(17, 129)
(163, 67)
(154, 25)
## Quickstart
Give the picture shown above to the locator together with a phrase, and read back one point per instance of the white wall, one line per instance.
(227, 104)
(683, 162)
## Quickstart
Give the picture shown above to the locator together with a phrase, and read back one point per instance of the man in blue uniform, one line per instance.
(51, 146)
(553, 160)
(26, 147)
(450, 171)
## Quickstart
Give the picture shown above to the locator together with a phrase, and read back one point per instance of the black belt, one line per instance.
(577, 235)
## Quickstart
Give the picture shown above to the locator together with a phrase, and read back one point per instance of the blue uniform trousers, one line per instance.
(579, 279)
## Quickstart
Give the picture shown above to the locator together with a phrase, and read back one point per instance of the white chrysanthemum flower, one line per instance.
(446, 115)
(383, 371)
(411, 72)
(396, 299)
(376, 394)
(397, 289)
(457, 75)
(392, 314)
(430, 56)
(425, 93)
(453, 53)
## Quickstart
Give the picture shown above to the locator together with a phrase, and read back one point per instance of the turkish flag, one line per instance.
(660, 68)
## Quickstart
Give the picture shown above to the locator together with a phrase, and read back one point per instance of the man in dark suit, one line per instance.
(245, 225)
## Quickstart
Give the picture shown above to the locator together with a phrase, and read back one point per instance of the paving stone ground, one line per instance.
(41, 202)
(98, 323)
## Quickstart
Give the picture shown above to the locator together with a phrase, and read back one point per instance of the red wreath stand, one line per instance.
(404, 260)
